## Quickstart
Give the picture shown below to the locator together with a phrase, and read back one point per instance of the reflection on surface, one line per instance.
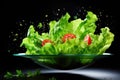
(99, 74)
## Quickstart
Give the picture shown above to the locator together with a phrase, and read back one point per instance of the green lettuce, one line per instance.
(100, 42)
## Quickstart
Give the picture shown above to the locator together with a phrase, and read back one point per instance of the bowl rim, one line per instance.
(24, 54)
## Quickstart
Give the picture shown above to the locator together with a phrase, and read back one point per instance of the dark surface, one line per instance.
(65, 76)
(34, 11)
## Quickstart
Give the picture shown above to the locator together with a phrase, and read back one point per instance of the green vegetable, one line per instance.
(21, 75)
(53, 78)
(99, 43)
(8, 75)
(29, 75)
(39, 25)
(18, 74)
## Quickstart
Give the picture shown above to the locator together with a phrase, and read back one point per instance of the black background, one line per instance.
(16, 11)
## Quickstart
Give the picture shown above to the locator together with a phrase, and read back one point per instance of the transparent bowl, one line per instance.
(63, 62)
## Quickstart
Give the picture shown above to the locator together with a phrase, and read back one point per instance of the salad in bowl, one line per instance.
(67, 43)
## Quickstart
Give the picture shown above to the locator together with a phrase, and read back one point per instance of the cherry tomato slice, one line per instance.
(88, 39)
(68, 37)
(46, 41)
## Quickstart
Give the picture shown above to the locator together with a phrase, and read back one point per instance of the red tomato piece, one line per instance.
(68, 37)
(46, 41)
(88, 39)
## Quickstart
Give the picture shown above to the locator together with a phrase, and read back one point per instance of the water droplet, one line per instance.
(47, 23)
(25, 23)
(46, 15)
(46, 19)
(107, 16)
(85, 10)
(79, 10)
(21, 24)
(23, 20)
(9, 36)
(21, 38)
(57, 14)
(75, 17)
(11, 32)
(63, 8)
(18, 29)
(82, 7)
(58, 9)
(8, 50)
(16, 34)
(14, 39)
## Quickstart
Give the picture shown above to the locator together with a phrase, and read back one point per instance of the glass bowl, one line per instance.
(63, 62)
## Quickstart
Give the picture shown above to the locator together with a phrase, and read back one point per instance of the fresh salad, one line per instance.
(69, 37)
